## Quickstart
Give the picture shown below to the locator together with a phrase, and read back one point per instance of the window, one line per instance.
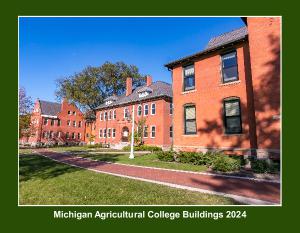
(59, 134)
(51, 134)
(45, 121)
(101, 116)
(67, 135)
(115, 114)
(74, 113)
(232, 116)
(79, 135)
(52, 122)
(139, 110)
(145, 131)
(73, 135)
(126, 113)
(100, 133)
(108, 133)
(44, 134)
(188, 78)
(74, 123)
(229, 67)
(171, 131)
(87, 135)
(153, 109)
(58, 122)
(109, 115)
(105, 116)
(69, 112)
(171, 108)
(113, 133)
(69, 123)
(146, 109)
(79, 124)
(104, 133)
(190, 119)
(153, 131)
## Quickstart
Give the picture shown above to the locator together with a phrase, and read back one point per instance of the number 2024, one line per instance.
(236, 214)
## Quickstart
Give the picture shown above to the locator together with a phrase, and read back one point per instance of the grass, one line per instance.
(149, 160)
(43, 181)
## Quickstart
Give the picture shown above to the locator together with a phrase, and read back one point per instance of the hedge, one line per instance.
(143, 148)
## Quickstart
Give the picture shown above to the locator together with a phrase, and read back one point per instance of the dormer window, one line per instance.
(143, 94)
(108, 102)
(145, 91)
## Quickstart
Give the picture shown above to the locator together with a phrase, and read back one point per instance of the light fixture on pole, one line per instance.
(131, 156)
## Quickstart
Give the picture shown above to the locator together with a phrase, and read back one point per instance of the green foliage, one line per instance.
(217, 161)
(166, 156)
(263, 166)
(225, 164)
(88, 88)
(143, 148)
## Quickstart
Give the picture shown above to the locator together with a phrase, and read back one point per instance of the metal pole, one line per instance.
(131, 156)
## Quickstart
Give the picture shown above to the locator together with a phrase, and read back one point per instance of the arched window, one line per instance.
(232, 115)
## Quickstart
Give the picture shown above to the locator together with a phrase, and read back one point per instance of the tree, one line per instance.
(139, 133)
(25, 108)
(88, 88)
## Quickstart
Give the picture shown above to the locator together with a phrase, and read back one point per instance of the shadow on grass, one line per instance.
(32, 166)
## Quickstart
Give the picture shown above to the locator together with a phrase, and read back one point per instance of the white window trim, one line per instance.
(113, 130)
(154, 108)
(74, 125)
(104, 130)
(151, 131)
(109, 115)
(109, 130)
(105, 116)
(101, 116)
(125, 112)
(100, 135)
(68, 123)
(145, 110)
(114, 114)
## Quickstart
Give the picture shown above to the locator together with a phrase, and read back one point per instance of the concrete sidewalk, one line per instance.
(243, 190)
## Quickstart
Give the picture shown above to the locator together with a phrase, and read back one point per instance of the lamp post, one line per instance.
(131, 156)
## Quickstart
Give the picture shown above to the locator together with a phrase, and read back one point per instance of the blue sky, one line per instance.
(52, 48)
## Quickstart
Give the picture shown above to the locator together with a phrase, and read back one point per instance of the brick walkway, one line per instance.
(251, 190)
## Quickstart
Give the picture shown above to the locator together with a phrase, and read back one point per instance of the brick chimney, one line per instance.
(128, 86)
(148, 80)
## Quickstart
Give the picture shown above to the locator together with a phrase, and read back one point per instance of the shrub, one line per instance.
(263, 166)
(225, 164)
(143, 148)
(166, 156)
(98, 145)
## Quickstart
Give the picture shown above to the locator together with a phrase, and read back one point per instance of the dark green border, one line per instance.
(38, 219)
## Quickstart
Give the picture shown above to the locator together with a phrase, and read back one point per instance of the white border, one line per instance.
(159, 16)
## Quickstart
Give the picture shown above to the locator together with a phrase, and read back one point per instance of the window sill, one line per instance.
(188, 92)
(230, 83)
(233, 134)
(190, 135)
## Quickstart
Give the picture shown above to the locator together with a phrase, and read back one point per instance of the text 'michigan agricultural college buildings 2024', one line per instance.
(225, 97)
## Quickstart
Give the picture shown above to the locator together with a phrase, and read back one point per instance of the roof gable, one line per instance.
(49, 108)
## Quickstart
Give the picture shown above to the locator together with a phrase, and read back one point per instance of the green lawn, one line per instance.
(43, 181)
(149, 160)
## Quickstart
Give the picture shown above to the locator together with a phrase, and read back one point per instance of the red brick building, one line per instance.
(227, 97)
(152, 104)
(54, 123)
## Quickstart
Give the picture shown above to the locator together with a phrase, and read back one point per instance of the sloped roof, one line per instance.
(227, 38)
(215, 43)
(159, 89)
(49, 108)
